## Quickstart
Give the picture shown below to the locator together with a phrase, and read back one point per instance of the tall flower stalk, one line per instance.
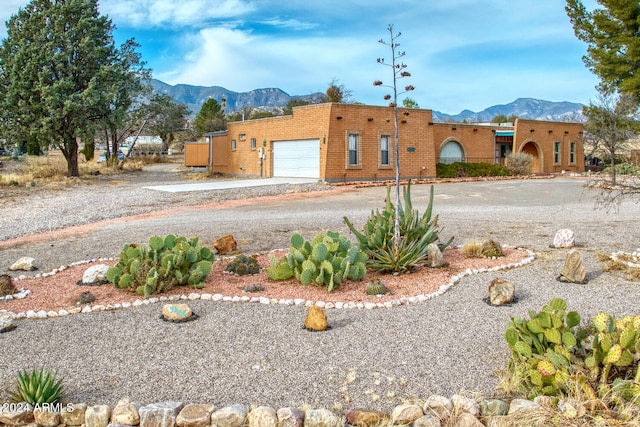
(398, 72)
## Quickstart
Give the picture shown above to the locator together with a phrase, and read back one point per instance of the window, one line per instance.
(384, 150)
(353, 149)
(242, 136)
(572, 153)
(556, 152)
(233, 144)
(451, 152)
(253, 143)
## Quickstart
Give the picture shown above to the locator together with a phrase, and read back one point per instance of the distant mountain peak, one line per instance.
(525, 108)
(274, 99)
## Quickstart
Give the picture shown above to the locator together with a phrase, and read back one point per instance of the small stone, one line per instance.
(427, 421)
(573, 270)
(522, 405)
(46, 418)
(161, 414)
(290, 417)
(16, 418)
(438, 406)
(74, 310)
(501, 292)
(466, 419)
(493, 407)
(24, 263)
(466, 404)
(262, 416)
(126, 413)
(6, 321)
(225, 244)
(571, 408)
(97, 416)
(320, 418)
(95, 274)
(316, 319)
(365, 418)
(406, 414)
(434, 256)
(176, 311)
(195, 415)
(73, 415)
(229, 416)
(564, 238)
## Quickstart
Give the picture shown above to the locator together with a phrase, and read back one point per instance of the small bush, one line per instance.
(520, 163)
(624, 169)
(472, 249)
(37, 387)
(464, 170)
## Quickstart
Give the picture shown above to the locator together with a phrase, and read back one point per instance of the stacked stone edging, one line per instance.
(42, 314)
(435, 411)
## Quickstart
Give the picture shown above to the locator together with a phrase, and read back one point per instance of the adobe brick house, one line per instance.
(352, 142)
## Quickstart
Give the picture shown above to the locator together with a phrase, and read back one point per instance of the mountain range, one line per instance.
(274, 99)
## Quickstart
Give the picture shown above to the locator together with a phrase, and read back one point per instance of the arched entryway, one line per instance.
(532, 148)
(451, 152)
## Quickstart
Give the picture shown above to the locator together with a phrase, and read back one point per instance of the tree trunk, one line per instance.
(70, 151)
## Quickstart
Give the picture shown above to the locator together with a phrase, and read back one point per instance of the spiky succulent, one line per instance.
(37, 387)
(376, 287)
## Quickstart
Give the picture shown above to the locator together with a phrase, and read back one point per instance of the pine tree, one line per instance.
(613, 42)
(210, 118)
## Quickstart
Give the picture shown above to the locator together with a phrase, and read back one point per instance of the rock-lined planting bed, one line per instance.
(42, 314)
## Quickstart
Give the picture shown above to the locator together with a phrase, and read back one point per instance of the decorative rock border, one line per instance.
(42, 314)
(435, 411)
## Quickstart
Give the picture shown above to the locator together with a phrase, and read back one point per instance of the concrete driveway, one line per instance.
(228, 184)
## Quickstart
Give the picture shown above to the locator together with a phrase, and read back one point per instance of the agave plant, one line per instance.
(417, 232)
(37, 388)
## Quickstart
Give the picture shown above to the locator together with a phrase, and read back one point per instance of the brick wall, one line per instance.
(420, 142)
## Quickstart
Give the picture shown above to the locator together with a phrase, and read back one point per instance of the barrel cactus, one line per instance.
(243, 265)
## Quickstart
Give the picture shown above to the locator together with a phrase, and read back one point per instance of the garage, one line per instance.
(297, 158)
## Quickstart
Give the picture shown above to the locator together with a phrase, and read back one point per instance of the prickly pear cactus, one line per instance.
(167, 262)
(325, 261)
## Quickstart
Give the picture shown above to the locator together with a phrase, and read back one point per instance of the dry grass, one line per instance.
(620, 265)
(472, 249)
(583, 407)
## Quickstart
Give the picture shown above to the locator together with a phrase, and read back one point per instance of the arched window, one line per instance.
(451, 152)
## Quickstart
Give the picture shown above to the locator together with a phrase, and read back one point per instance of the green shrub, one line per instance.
(624, 169)
(325, 261)
(416, 233)
(37, 388)
(167, 262)
(464, 170)
(551, 353)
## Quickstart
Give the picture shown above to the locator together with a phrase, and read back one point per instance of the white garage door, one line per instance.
(299, 158)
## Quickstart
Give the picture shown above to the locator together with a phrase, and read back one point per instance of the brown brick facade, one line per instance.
(557, 146)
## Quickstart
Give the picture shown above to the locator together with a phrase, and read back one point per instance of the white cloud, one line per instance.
(171, 13)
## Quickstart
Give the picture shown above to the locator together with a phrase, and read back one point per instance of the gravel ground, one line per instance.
(257, 354)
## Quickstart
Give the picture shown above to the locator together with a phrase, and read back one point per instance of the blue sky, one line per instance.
(462, 54)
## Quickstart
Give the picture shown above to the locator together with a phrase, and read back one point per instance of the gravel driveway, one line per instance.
(258, 354)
